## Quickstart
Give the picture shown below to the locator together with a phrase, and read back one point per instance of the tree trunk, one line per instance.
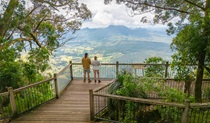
(7, 17)
(199, 77)
(202, 54)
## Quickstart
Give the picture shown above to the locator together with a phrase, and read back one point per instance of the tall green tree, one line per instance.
(39, 23)
(193, 13)
(155, 70)
(36, 27)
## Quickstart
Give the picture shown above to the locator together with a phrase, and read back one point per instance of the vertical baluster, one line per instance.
(56, 86)
(91, 99)
(166, 70)
(71, 70)
(12, 100)
(117, 68)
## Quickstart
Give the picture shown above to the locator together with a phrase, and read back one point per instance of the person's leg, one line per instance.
(84, 75)
(88, 71)
(94, 75)
(98, 76)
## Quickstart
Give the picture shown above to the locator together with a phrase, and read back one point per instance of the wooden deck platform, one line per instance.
(71, 107)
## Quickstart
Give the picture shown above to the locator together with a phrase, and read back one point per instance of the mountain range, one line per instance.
(116, 43)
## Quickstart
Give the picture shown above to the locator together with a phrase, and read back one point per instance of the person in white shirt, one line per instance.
(96, 66)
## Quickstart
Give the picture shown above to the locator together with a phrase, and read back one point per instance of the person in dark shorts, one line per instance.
(86, 62)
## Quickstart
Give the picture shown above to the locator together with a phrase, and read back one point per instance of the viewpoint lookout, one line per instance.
(66, 98)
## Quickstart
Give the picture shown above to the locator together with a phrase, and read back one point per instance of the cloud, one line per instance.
(112, 14)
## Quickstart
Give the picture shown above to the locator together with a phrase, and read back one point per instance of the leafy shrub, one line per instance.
(140, 87)
(155, 70)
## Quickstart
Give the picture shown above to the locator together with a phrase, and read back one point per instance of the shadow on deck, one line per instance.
(71, 107)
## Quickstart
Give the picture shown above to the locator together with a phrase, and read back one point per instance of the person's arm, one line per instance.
(89, 61)
(82, 62)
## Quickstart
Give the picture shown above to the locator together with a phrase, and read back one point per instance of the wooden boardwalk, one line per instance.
(71, 107)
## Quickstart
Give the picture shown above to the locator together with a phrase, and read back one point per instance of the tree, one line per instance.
(36, 27)
(41, 24)
(190, 13)
(155, 70)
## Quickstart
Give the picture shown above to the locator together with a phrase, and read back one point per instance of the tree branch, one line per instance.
(20, 39)
(192, 3)
(32, 10)
(35, 39)
(160, 7)
(10, 43)
(40, 23)
(11, 34)
(55, 5)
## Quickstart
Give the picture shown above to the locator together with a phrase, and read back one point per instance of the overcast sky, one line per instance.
(112, 14)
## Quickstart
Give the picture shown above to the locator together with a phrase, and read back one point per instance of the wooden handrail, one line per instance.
(200, 105)
(4, 94)
(63, 69)
(140, 100)
(132, 64)
(122, 64)
(31, 85)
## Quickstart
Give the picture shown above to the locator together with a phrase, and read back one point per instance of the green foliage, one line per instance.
(24, 102)
(207, 94)
(10, 75)
(127, 85)
(169, 114)
(141, 87)
(206, 73)
(31, 73)
(182, 68)
(174, 95)
(187, 46)
(8, 55)
(155, 70)
(39, 57)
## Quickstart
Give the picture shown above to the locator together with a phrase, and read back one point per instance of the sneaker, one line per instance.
(95, 81)
(84, 80)
(89, 81)
(99, 81)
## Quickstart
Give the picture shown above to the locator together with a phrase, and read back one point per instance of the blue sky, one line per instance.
(113, 14)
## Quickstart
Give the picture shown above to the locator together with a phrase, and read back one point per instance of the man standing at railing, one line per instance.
(86, 62)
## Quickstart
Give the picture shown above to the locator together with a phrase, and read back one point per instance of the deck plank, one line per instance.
(71, 107)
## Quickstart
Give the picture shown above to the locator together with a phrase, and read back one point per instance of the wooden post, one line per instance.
(56, 86)
(117, 68)
(12, 100)
(185, 114)
(91, 99)
(71, 70)
(166, 70)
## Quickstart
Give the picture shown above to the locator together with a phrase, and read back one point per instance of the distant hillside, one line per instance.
(116, 43)
(104, 33)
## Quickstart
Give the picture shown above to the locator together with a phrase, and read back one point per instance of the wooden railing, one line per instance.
(111, 70)
(17, 101)
(109, 107)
